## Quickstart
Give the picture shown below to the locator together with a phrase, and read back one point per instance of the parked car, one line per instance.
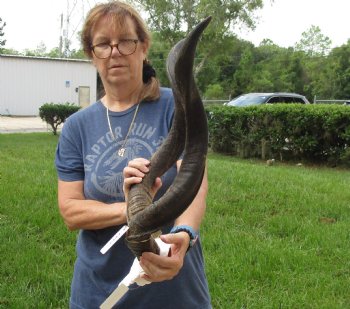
(267, 98)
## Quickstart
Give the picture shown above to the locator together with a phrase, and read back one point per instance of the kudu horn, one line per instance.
(188, 135)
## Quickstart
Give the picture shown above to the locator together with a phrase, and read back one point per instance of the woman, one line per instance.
(103, 148)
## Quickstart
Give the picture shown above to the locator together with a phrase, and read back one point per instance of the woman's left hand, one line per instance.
(134, 172)
(159, 268)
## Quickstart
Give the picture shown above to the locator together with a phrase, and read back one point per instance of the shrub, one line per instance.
(56, 114)
(318, 133)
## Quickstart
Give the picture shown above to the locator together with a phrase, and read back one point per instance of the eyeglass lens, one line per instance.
(125, 48)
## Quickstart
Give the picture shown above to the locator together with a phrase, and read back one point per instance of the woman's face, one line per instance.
(119, 70)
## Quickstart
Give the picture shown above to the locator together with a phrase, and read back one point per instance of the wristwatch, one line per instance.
(189, 230)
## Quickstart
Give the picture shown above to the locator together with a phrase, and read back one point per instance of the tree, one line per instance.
(172, 20)
(214, 91)
(40, 51)
(77, 54)
(226, 64)
(54, 53)
(244, 73)
(340, 63)
(2, 41)
(157, 55)
(9, 51)
(314, 43)
(315, 48)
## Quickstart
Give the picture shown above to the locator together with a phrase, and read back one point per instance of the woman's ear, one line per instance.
(145, 47)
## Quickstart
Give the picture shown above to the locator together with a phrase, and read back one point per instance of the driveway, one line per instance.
(22, 125)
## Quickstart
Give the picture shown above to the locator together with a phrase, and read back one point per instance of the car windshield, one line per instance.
(248, 99)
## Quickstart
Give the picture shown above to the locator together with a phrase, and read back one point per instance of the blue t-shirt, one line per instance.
(87, 152)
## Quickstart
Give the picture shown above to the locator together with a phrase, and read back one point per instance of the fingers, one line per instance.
(136, 168)
(140, 164)
(159, 268)
(180, 242)
(134, 172)
(180, 238)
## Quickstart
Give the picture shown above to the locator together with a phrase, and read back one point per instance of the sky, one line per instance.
(30, 23)
(284, 21)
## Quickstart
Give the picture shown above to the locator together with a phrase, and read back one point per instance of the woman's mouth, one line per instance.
(116, 66)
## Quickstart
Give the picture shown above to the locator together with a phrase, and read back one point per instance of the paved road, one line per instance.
(22, 125)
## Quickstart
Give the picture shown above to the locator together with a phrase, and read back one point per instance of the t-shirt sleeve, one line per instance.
(69, 159)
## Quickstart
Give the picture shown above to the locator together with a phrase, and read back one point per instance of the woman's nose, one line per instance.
(115, 51)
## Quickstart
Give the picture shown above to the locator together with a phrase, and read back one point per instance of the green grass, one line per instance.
(273, 236)
(277, 236)
(36, 250)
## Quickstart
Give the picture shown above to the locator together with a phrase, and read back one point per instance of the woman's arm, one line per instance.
(79, 213)
(194, 214)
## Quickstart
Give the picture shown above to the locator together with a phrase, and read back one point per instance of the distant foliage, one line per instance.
(56, 114)
(214, 91)
(314, 43)
(2, 41)
(317, 133)
(173, 19)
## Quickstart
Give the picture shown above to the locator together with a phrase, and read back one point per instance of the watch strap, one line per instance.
(189, 230)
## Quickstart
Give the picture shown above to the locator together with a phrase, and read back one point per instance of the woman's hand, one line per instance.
(159, 268)
(134, 173)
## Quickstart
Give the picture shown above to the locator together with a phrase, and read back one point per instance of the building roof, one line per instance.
(44, 58)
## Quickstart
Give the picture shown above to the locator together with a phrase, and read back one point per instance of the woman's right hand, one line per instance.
(134, 172)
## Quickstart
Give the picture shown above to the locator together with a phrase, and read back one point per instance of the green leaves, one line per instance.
(318, 133)
(2, 25)
(314, 43)
(56, 114)
(171, 20)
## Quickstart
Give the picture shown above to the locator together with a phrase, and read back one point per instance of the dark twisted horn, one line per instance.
(189, 132)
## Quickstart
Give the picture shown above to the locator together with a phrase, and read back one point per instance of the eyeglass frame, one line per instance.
(135, 41)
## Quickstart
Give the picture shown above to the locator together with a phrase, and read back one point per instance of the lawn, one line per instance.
(273, 236)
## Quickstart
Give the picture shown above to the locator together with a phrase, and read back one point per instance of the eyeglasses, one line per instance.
(125, 48)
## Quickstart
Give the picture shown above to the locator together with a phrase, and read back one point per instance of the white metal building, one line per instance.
(26, 83)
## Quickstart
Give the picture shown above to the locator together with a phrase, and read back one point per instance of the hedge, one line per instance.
(317, 133)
